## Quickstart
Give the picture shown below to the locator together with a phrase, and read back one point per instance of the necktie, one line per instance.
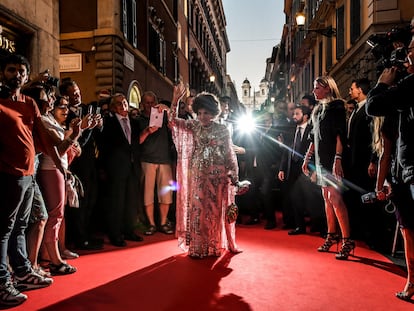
(126, 129)
(296, 145)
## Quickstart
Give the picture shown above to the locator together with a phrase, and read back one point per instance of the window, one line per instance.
(320, 59)
(340, 33)
(157, 49)
(129, 21)
(328, 54)
(355, 21)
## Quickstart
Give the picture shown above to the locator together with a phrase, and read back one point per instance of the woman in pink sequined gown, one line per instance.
(206, 171)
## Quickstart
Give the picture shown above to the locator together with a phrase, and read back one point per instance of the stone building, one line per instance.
(126, 46)
(31, 30)
(333, 40)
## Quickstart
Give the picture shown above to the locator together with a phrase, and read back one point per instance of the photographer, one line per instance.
(392, 96)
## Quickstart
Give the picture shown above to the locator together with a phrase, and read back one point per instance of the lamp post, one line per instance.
(212, 79)
(300, 22)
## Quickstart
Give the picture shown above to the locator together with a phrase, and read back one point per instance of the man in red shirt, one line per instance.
(21, 127)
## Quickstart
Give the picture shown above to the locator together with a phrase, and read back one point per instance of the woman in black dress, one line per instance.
(329, 133)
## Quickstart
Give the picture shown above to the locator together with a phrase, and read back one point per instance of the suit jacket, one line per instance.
(288, 164)
(117, 157)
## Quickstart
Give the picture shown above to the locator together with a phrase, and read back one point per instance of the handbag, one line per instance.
(231, 213)
(74, 190)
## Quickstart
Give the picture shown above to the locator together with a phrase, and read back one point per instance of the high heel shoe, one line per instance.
(347, 247)
(406, 294)
(331, 239)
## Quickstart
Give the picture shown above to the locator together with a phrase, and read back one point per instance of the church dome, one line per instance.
(246, 81)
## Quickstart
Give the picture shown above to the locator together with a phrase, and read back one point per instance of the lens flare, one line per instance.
(173, 186)
(246, 124)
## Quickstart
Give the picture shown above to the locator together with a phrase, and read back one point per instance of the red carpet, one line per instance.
(275, 272)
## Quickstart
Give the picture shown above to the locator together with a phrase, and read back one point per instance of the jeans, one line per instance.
(16, 195)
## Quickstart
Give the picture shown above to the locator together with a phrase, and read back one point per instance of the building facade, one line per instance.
(208, 46)
(333, 41)
(126, 46)
(31, 30)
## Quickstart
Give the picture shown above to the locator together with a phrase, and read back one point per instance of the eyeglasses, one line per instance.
(62, 106)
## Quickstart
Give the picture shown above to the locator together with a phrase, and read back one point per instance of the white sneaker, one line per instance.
(10, 296)
(31, 280)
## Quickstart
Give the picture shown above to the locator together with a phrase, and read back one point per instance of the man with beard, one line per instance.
(290, 170)
(21, 127)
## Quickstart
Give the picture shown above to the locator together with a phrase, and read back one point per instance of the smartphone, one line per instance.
(98, 110)
(79, 112)
(90, 109)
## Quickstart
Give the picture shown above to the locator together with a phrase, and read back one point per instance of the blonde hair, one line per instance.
(320, 108)
(377, 141)
(328, 81)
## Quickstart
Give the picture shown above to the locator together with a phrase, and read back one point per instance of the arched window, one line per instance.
(134, 94)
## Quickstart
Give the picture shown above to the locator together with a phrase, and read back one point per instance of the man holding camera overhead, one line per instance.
(392, 96)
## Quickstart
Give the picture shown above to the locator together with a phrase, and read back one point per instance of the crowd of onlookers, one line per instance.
(71, 170)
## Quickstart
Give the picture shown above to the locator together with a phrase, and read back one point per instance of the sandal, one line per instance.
(42, 272)
(61, 269)
(151, 230)
(166, 229)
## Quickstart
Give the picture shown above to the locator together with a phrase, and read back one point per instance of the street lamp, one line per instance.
(212, 79)
(300, 22)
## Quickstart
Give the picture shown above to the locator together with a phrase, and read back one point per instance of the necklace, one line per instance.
(205, 134)
(206, 127)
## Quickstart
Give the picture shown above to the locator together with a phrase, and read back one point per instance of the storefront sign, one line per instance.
(70, 62)
(6, 40)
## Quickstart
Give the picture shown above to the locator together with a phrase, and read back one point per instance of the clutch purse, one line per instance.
(242, 187)
(231, 213)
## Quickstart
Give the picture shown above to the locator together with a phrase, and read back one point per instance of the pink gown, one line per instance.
(205, 162)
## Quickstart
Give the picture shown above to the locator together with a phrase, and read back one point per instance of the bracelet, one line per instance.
(338, 157)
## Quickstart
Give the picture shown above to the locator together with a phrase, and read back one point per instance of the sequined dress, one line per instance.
(205, 161)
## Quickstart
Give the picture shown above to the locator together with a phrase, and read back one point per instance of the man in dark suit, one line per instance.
(119, 157)
(291, 169)
(359, 161)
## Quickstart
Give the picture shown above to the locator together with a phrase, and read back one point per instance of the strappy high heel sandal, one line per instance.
(406, 294)
(347, 247)
(331, 239)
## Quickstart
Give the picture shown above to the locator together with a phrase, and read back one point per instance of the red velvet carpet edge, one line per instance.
(275, 272)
